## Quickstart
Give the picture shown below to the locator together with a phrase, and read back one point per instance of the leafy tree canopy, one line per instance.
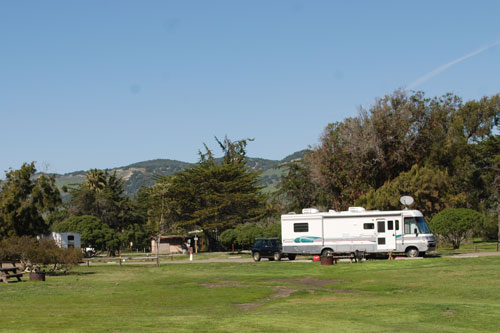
(93, 232)
(364, 152)
(25, 201)
(102, 196)
(430, 187)
(296, 189)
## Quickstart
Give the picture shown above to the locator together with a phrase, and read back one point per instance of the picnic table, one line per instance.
(8, 270)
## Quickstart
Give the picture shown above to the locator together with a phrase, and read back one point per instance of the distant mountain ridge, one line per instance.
(142, 173)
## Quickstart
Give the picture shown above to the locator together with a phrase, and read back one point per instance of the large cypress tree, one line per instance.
(216, 194)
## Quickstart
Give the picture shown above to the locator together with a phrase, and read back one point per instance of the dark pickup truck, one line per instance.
(269, 248)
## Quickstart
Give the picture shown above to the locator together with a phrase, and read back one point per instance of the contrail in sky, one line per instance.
(438, 70)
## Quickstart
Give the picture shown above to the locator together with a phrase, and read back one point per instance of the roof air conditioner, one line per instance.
(310, 211)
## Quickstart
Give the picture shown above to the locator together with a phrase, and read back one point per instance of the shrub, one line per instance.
(456, 224)
(42, 255)
(228, 238)
(244, 235)
(14, 248)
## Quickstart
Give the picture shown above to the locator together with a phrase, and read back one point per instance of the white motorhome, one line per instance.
(374, 231)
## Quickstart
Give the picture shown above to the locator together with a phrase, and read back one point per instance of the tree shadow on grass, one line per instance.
(70, 273)
(433, 255)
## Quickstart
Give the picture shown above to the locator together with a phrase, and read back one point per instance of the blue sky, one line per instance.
(102, 84)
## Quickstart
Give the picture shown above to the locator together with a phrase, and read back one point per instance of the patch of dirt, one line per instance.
(222, 284)
(310, 285)
(248, 306)
(279, 292)
(449, 313)
(282, 292)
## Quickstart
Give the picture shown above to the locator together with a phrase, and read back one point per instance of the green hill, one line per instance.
(143, 173)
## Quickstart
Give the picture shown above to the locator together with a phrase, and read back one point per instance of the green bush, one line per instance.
(228, 238)
(244, 235)
(456, 224)
(273, 230)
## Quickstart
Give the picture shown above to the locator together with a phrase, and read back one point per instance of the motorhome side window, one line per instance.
(368, 226)
(410, 225)
(301, 227)
(416, 225)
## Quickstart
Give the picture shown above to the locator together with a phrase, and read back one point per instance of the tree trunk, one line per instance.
(497, 187)
(211, 241)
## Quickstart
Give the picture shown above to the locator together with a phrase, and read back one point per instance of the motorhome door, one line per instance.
(386, 235)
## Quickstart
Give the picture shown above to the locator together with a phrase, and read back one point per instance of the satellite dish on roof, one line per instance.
(406, 200)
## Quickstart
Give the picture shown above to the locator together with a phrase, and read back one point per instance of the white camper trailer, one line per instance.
(314, 232)
(64, 239)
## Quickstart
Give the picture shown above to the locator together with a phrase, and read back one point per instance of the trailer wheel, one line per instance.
(277, 256)
(291, 257)
(256, 256)
(327, 253)
(412, 252)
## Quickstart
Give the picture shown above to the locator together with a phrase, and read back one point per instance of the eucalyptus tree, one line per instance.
(363, 153)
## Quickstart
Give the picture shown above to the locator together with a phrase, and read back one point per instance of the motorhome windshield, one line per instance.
(416, 225)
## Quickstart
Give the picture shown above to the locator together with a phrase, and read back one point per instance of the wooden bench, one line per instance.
(8, 270)
(357, 256)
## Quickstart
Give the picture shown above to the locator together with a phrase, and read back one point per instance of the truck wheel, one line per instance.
(291, 257)
(277, 256)
(256, 256)
(412, 252)
(327, 253)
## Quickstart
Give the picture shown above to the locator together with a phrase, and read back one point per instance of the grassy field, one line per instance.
(430, 295)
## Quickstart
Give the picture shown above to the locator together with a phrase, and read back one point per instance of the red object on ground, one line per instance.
(316, 258)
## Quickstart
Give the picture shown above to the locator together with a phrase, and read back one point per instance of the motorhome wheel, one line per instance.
(327, 253)
(412, 252)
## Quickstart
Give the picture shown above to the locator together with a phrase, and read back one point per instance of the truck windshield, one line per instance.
(417, 224)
